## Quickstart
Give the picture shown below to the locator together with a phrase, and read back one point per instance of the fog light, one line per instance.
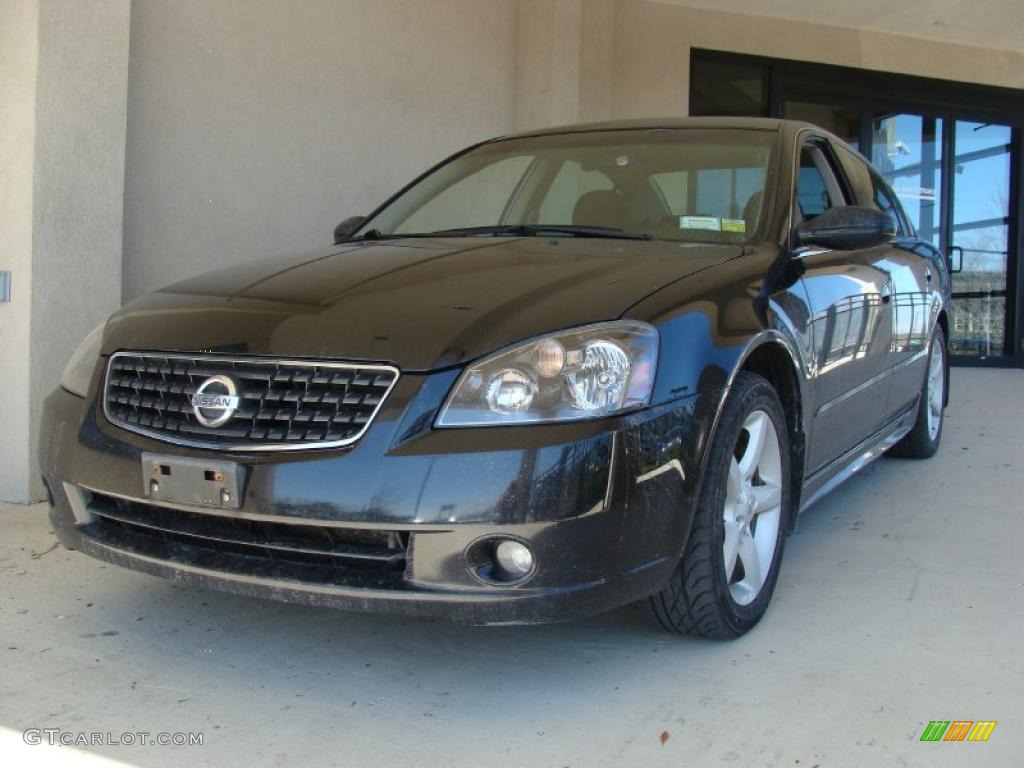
(513, 558)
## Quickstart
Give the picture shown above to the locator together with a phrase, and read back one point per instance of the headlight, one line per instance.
(596, 370)
(78, 372)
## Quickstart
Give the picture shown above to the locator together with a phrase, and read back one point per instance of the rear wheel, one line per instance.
(922, 441)
(725, 579)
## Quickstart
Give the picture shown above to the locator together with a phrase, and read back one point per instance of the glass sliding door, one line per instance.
(979, 237)
(966, 217)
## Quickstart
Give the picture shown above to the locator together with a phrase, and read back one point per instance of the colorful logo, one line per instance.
(958, 730)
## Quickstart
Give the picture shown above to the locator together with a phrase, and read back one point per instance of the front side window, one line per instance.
(680, 184)
(816, 187)
(884, 200)
(858, 175)
(868, 187)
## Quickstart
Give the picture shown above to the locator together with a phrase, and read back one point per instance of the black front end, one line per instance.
(334, 488)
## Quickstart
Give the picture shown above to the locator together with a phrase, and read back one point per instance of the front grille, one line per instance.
(242, 545)
(282, 404)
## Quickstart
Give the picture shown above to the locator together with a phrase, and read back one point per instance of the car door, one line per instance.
(913, 267)
(849, 292)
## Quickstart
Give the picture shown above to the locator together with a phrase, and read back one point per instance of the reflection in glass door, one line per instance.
(979, 237)
(970, 222)
(907, 149)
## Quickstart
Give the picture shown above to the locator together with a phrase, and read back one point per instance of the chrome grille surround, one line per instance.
(149, 393)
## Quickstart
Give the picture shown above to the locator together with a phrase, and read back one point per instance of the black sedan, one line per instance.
(560, 372)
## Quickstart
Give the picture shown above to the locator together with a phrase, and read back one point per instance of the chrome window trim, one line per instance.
(246, 447)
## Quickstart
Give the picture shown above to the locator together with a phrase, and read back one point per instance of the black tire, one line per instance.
(697, 600)
(919, 443)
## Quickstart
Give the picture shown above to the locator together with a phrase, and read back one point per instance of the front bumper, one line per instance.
(605, 506)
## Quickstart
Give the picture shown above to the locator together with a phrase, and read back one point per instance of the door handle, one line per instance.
(956, 266)
(928, 274)
(885, 292)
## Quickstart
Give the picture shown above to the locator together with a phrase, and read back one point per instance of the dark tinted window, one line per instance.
(815, 186)
(733, 88)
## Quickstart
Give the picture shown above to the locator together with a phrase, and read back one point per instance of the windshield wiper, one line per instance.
(533, 230)
(512, 230)
(375, 234)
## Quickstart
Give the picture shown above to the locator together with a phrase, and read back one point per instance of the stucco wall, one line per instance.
(254, 128)
(78, 184)
(18, 64)
(653, 42)
(991, 25)
(63, 88)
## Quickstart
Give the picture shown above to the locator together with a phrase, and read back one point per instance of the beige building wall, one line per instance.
(987, 24)
(255, 127)
(62, 112)
(19, 55)
(78, 185)
(653, 41)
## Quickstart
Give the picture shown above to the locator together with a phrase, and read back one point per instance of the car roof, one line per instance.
(653, 123)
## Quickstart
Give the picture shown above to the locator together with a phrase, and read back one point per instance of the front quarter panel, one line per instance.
(711, 323)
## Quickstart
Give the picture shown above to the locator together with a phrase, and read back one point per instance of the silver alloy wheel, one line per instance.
(753, 508)
(936, 389)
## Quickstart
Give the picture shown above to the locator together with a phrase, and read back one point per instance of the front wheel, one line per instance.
(725, 579)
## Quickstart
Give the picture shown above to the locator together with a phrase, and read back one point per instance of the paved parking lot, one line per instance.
(901, 600)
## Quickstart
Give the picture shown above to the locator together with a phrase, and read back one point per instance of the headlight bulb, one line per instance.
(549, 358)
(510, 391)
(599, 380)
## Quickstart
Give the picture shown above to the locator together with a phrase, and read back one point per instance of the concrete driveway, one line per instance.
(901, 600)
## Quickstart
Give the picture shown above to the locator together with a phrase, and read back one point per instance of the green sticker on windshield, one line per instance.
(734, 225)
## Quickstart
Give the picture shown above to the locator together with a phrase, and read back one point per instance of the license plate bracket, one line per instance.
(200, 482)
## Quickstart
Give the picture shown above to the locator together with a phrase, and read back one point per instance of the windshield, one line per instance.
(679, 184)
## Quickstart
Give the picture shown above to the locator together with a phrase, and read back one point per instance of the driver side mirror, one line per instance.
(847, 228)
(347, 228)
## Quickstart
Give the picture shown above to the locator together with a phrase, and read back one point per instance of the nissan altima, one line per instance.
(560, 372)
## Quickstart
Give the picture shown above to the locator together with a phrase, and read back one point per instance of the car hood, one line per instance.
(421, 304)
